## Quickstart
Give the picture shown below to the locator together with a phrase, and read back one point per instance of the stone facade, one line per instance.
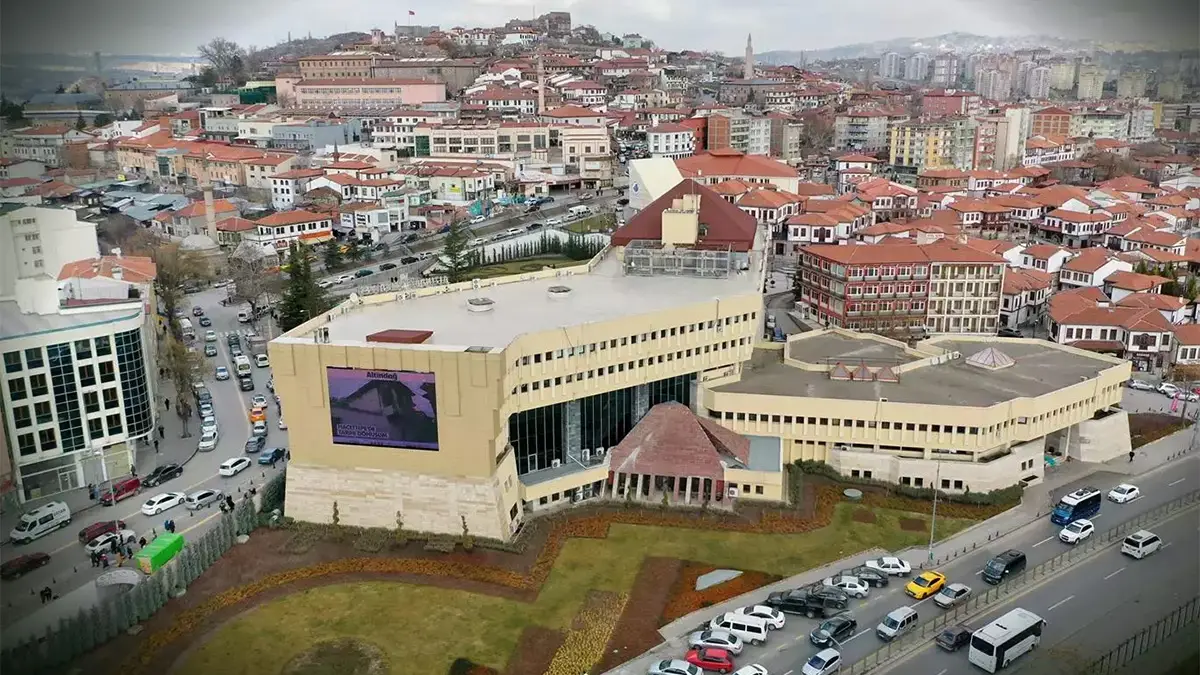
(371, 498)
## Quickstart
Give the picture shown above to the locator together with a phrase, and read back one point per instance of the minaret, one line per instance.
(541, 77)
(748, 66)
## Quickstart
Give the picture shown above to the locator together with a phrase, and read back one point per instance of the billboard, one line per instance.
(383, 408)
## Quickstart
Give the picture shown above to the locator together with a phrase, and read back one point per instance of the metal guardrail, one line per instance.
(1148, 638)
(980, 603)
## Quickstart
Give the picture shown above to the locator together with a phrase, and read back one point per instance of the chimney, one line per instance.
(118, 273)
(210, 212)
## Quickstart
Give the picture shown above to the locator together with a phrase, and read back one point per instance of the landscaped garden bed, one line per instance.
(1145, 428)
(685, 599)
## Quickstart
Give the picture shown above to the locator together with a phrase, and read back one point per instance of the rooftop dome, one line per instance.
(198, 242)
(990, 359)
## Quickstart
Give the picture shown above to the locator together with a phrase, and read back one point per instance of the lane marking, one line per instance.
(1114, 574)
(1167, 545)
(864, 632)
(1176, 482)
(1060, 603)
(789, 672)
(1044, 540)
(943, 671)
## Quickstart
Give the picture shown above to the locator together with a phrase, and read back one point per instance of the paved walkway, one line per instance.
(1036, 504)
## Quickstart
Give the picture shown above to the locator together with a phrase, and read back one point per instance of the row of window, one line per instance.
(19, 391)
(604, 345)
(630, 365)
(35, 358)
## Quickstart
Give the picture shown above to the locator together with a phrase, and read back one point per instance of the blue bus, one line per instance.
(1082, 503)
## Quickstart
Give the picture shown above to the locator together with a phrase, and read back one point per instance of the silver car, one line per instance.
(954, 594)
(203, 498)
(717, 638)
(674, 667)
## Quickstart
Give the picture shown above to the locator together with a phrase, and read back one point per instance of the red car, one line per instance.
(23, 564)
(711, 658)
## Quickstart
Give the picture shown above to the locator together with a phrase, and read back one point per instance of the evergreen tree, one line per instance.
(354, 252)
(57, 642)
(111, 624)
(332, 255)
(142, 600)
(456, 256)
(302, 298)
(92, 634)
(168, 577)
(126, 611)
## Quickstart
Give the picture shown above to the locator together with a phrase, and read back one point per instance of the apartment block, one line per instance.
(933, 144)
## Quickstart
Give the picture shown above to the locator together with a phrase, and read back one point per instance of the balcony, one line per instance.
(887, 277)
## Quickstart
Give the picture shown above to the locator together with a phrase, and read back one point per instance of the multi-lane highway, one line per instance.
(69, 567)
(789, 648)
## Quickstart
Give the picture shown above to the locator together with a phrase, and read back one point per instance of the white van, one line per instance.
(896, 623)
(261, 361)
(241, 365)
(749, 628)
(1141, 544)
(40, 522)
(244, 316)
(185, 326)
(512, 232)
(579, 211)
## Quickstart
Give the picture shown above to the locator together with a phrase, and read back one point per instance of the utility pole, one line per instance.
(933, 520)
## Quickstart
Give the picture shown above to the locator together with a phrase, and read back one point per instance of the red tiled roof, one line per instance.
(299, 173)
(568, 111)
(727, 162)
(1163, 303)
(1089, 260)
(237, 224)
(725, 223)
(940, 251)
(1017, 280)
(1132, 281)
(291, 218)
(671, 441)
(1188, 334)
(197, 208)
(134, 268)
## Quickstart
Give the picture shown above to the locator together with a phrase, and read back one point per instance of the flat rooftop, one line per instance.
(526, 306)
(832, 347)
(1038, 369)
(14, 323)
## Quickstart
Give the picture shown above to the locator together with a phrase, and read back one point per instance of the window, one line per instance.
(114, 424)
(87, 376)
(26, 445)
(95, 428)
(12, 362)
(21, 417)
(108, 371)
(47, 440)
(42, 411)
(33, 357)
(103, 346)
(91, 402)
(37, 385)
(83, 349)
(16, 389)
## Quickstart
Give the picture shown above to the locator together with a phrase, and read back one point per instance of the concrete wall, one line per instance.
(1101, 440)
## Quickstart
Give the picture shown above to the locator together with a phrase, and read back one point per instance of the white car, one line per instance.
(477, 220)
(259, 429)
(104, 541)
(752, 669)
(773, 617)
(1077, 531)
(325, 283)
(209, 424)
(161, 502)
(208, 441)
(1141, 385)
(281, 424)
(889, 565)
(222, 373)
(716, 638)
(854, 587)
(1168, 389)
(554, 221)
(343, 278)
(952, 595)
(233, 466)
(1124, 493)
(258, 400)
(1189, 396)
(210, 336)
(202, 498)
(823, 662)
(674, 667)
(206, 410)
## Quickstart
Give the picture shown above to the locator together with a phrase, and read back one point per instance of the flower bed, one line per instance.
(590, 633)
(685, 599)
(535, 649)
(637, 629)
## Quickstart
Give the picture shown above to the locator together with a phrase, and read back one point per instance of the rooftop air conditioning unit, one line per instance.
(555, 464)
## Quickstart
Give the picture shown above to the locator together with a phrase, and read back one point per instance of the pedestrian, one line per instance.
(287, 455)
(129, 551)
(273, 461)
(104, 560)
(95, 560)
(1131, 454)
(133, 471)
(167, 402)
(114, 546)
(156, 443)
(91, 492)
(120, 559)
(162, 433)
(46, 594)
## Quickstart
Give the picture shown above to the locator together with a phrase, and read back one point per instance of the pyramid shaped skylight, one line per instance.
(990, 359)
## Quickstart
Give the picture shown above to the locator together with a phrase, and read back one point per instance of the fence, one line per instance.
(1149, 637)
(1031, 577)
(74, 637)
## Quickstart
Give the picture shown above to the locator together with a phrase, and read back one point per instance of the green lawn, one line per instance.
(424, 629)
(522, 266)
(597, 223)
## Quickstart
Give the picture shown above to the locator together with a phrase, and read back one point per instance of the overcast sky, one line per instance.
(169, 27)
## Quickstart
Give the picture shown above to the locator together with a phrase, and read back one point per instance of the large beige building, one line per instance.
(639, 373)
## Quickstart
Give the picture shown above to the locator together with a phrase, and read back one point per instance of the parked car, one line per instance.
(210, 336)
(343, 278)
(210, 350)
(246, 383)
(206, 409)
(674, 667)
(1189, 396)
(876, 578)
(889, 565)
(834, 630)
(1009, 333)
(710, 658)
(98, 528)
(954, 638)
(1141, 385)
(804, 601)
(824, 662)
(209, 424)
(255, 444)
(774, 618)
(23, 564)
(233, 466)
(208, 441)
(259, 429)
(197, 311)
(387, 266)
(258, 401)
(162, 474)
(159, 503)
(853, 586)
(925, 585)
(1168, 389)
(203, 498)
(954, 594)
(1124, 493)
(205, 322)
(720, 639)
(363, 273)
(222, 373)
(272, 455)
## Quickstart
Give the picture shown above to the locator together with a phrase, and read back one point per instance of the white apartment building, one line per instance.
(45, 144)
(398, 128)
(585, 93)
(77, 356)
(673, 141)
(1101, 123)
(1037, 83)
(287, 187)
(861, 131)
(1091, 84)
(278, 230)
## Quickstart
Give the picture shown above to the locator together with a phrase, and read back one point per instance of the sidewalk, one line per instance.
(171, 448)
(1034, 507)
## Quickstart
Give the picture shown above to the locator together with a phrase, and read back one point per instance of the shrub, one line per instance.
(1009, 496)
(440, 544)
(372, 539)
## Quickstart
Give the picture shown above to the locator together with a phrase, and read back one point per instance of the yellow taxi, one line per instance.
(925, 585)
(258, 414)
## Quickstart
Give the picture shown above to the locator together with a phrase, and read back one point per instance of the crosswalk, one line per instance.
(242, 333)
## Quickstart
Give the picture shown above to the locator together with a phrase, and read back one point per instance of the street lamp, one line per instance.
(933, 518)
(98, 452)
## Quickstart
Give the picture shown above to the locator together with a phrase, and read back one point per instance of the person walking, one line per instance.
(1131, 455)
(104, 560)
(133, 471)
(142, 542)
(167, 402)
(156, 443)
(162, 433)
(129, 551)
(95, 559)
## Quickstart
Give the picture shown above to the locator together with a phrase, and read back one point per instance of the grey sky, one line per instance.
(171, 27)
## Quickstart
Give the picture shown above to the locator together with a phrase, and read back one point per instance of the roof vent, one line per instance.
(558, 292)
(480, 305)
(990, 359)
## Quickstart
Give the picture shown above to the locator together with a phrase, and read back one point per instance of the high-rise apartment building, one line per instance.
(933, 144)
(891, 66)
(916, 67)
(1037, 83)
(1091, 83)
(1132, 84)
(946, 70)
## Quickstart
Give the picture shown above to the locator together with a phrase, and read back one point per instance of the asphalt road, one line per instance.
(1137, 400)
(789, 648)
(69, 566)
(1092, 608)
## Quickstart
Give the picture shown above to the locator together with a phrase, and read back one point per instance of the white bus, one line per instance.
(241, 364)
(185, 326)
(1000, 642)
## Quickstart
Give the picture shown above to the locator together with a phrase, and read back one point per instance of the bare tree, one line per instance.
(225, 56)
(176, 268)
(256, 280)
(183, 367)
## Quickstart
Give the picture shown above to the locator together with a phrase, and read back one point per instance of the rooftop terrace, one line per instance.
(502, 309)
(1038, 368)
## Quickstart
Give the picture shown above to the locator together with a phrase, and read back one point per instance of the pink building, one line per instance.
(943, 103)
(363, 92)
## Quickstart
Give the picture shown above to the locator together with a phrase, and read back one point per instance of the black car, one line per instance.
(22, 565)
(408, 260)
(533, 208)
(954, 638)
(388, 266)
(802, 601)
(870, 575)
(204, 396)
(233, 339)
(831, 593)
(205, 321)
(162, 474)
(255, 444)
(1009, 563)
(534, 226)
(833, 631)
(246, 383)
(235, 350)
